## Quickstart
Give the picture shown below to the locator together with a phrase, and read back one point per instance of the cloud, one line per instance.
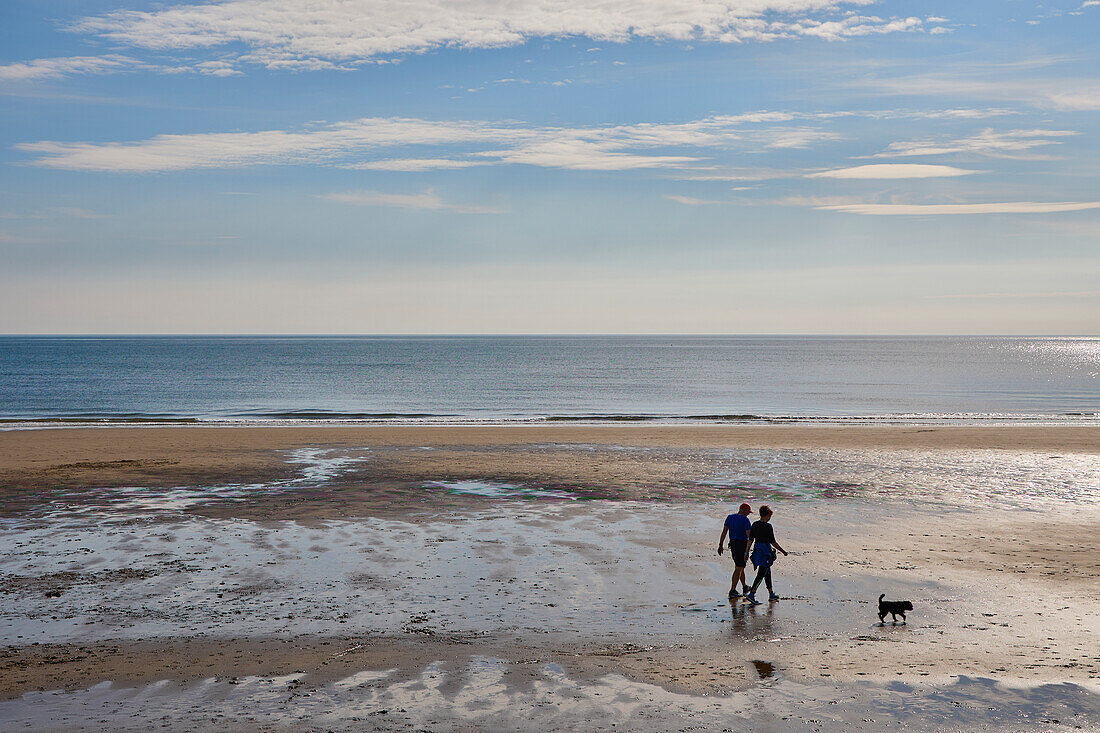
(1001, 82)
(55, 68)
(817, 202)
(370, 143)
(426, 201)
(581, 154)
(326, 144)
(414, 164)
(894, 170)
(1081, 99)
(216, 68)
(292, 33)
(691, 201)
(721, 173)
(802, 137)
(397, 144)
(989, 142)
(1014, 207)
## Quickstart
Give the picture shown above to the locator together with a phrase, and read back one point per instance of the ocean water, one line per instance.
(565, 378)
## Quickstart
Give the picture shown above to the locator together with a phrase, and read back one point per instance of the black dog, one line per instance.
(894, 608)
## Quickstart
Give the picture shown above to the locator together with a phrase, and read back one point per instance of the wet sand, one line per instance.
(547, 578)
(159, 456)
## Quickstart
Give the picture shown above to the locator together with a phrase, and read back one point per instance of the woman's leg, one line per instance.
(768, 579)
(761, 572)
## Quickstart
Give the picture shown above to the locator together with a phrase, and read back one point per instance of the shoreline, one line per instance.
(1068, 420)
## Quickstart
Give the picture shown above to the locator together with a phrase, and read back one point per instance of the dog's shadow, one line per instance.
(898, 626)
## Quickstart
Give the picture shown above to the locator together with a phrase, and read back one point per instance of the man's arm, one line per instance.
(722, 539)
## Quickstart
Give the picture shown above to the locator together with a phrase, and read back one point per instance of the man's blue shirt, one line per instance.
(738, 525)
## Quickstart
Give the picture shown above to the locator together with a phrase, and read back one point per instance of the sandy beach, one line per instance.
(549, 577)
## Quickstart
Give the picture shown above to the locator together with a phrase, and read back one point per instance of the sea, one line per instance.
(109, 380)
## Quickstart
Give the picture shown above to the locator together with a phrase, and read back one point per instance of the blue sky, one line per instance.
(431, 166)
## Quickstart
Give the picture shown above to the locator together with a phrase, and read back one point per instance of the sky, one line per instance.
(550, 166)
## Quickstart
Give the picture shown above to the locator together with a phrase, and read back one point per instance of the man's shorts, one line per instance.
(738, 549)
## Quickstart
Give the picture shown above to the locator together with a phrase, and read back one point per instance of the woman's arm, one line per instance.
(776, 546)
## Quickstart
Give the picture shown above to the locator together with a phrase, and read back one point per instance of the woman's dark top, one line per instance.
(762, 532)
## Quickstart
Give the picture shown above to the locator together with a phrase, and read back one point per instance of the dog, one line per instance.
(894, 608)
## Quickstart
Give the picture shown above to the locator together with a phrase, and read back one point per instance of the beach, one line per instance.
(548, 576)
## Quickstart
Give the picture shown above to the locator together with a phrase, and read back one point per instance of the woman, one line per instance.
(761, 542)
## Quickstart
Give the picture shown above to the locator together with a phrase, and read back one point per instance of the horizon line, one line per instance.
(549, 334)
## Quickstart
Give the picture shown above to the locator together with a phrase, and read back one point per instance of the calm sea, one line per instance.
(481, 378)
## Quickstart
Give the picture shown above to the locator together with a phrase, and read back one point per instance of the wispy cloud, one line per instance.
(723, 173)
(1085, 97)
(59, 67)
(291, 33)
(383, 143)
(620, 147)
(988, 143)
(331, 144)
(426, 200)
(691, 200)
(894, 170)
(212, 68)
(577, 153)
(1063, 92)
(54, 68)
(414, 164)
(1011, 207)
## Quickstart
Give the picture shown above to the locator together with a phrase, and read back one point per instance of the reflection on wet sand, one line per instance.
(752, 623)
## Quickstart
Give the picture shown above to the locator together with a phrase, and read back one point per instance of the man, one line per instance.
(737, 527)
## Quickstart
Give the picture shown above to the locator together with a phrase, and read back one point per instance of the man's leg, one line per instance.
(739, 550)
(738, 574)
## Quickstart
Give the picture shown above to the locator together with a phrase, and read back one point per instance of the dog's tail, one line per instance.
(881, 597)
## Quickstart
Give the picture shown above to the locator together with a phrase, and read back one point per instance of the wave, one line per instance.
(319, 417)
(123, 418)
(653, 418)
(335, 415)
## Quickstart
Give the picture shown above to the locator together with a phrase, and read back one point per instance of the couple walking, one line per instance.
(754, 541)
